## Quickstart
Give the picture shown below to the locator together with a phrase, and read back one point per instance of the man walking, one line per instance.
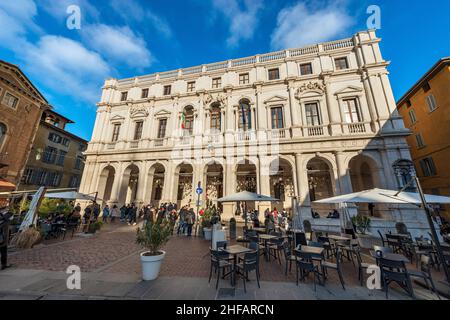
(190, 220)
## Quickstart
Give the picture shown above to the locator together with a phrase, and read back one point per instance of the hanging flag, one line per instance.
(183, 119)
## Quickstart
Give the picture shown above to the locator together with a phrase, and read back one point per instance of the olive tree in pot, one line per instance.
(152, 237)
(362, 225)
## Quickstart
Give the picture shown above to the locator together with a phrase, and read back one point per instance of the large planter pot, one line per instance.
(207, 233)
(151, 265)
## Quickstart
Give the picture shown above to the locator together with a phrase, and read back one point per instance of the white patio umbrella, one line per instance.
(247, 196)
(385, 196)
(70, 195)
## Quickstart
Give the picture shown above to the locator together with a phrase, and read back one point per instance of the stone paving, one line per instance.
(110, 267)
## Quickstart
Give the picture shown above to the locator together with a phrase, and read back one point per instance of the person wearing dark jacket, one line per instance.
(4, 237)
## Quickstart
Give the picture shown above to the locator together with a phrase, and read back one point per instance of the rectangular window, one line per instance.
(244, 78)
(65, 142)
(431, 102)
(274, 74)
(124, 96)
(116, 132)
(53, 137)
(412, 116)
(428, 167)
(420, 141)
(61, 157)
(312, 114)
(144, 93)
(40, 178)
(167, 90)
(27, 176)
(49, 155)
(74, 182)
(81, 147)
(216, 83)
(351, 111)
(341, 63)
(277, 117)
(79, 162)
(215, 120)
(191, 86)
(138, 130)
(53, 179)
(245, 117)
(10, 100)
(426, 87)
(162, 128)
(306, 69)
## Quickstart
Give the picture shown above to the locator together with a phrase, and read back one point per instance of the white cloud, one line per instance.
(301, 25)
(66, 66)
(16, 20)
(58, 9)
(242, 16)
(118, 44)
(132, 11)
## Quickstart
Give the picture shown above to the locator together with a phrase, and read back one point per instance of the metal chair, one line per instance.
(425, 274)
(383, 241)
(219, 261)
(305, 265)
(249, 263)
(325, 265)
(395, 271)
(362, 266)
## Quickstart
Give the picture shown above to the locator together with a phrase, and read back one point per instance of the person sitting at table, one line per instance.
(60, 218)
(333, 215)
(315, 215)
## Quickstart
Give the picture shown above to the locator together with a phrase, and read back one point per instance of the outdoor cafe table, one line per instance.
(390, 256)
(259, 230)
(235, 250)
(266, 238)
(338, 238)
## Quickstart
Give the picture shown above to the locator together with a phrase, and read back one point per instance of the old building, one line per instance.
(299, 124)
(21, 107)
(57, 159)
(425, 109)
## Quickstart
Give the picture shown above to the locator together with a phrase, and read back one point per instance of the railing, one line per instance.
(272, 56)
(339, 44)
(159, 142)
(315, 131)
(359, 127)
(215, 138)
(246, 136)
(279, 134)
(134, 144)
(243, 61)
(186, 140)
(304, 51)
(111, 145)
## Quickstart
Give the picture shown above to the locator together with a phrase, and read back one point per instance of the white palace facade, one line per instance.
(300, 125)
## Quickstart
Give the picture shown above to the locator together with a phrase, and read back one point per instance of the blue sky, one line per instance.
(134, 37)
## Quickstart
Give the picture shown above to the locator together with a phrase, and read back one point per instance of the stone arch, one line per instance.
(214, 181)
(155, 185)
(281, 180)
(364, 172)
(128, 188)
(320, 178)
(246, 175)
(184, 182)
(106, 182)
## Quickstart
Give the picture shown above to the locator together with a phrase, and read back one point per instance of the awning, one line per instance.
(6, 185)
(70, 195)
(385, 196)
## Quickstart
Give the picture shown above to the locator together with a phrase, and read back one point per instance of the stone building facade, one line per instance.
(300, 124)
(57, 159)
(21, 107)
(425, 110)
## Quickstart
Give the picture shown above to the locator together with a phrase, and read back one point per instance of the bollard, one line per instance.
(232, 228)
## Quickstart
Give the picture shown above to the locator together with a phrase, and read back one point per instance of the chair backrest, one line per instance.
(287, 250)
(221, 244)
(304, 259)
(387, 264)
(253, 245)
(401, 228)
(250, 258)
(300, 238)
(315, 244)
(381, 236)
(323, 239)
(218, 254)
(381, 251)
(394, 270)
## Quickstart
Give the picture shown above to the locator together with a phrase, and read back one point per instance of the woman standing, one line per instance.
(115, 213)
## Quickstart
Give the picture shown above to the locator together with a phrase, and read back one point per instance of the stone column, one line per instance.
(304, 203)
(142, 183)
(333, 109)
(264, 183)
(345, 183)
(229, 188)
(116, 184)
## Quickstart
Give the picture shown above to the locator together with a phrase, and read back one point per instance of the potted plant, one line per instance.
(362, 224)
(95, 226)
(152, 237)
(206, 224)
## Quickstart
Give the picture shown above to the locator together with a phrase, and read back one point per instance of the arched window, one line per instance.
(2, 134)
(245, 116)
(187, 121)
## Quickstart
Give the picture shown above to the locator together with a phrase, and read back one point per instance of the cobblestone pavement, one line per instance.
(111, 261)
